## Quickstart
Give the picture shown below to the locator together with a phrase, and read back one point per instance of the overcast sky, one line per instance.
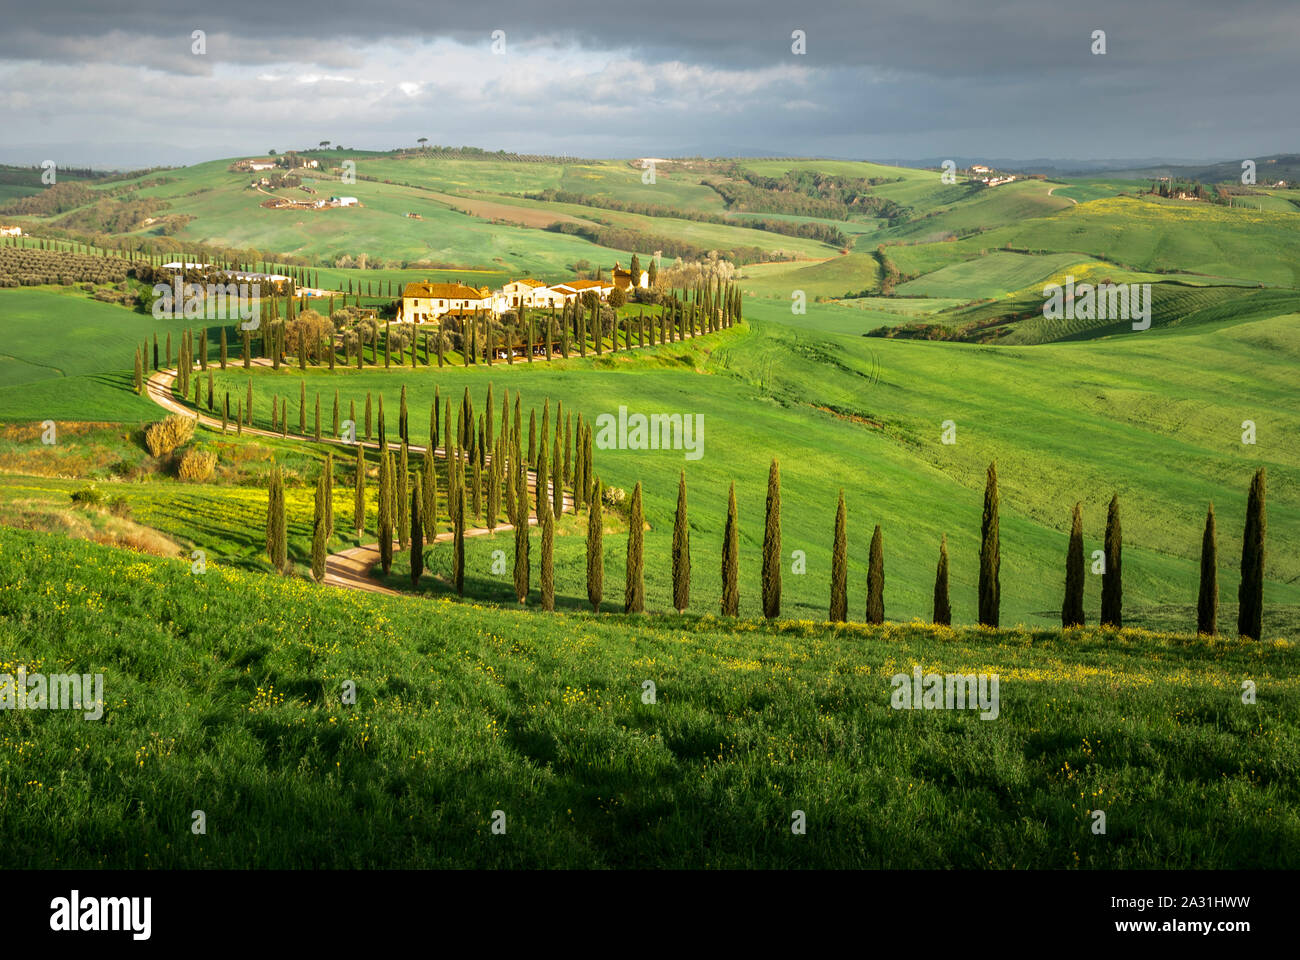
(115, 82)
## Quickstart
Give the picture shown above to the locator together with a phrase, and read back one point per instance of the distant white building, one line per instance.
(980, 168)
(11, 231)
(262, 165)
(344, 201)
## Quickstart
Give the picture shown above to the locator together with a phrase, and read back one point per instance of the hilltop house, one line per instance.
(624, 281)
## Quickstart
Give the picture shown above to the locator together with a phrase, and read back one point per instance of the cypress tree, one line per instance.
(139, 373)
(429, 494)
(368, 418)
(335, 431)
(279, 535)
(1207, 601)
(317, 425)
(417, 530)
(512, 508)
(400, 495)
(548, 571)
(876, 580)
(318, 534)
(634, 593)
(532, 438)
(731, 559)
(540, 483)
(493, 491)
(1112, 585)
(329, 494)
(359, 497)
(401, 418)
(772, 545)
(990, 553)
(681, 551)
(433, 418)
(458, 556)
(521, 560)
(383, 431)
(223, 348)
(595, 549)
(1250, 592)
(1072, 609)
(386, 510)
(557, 485)
(839, 610)
(942, 608)
(568, 447)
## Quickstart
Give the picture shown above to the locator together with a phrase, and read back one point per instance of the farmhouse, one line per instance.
(343, 201)
(423, 302)
(11, 231)
(624, 281)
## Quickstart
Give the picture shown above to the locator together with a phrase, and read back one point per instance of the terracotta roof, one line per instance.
(442, 291)
(584, 284)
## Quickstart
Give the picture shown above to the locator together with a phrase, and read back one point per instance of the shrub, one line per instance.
(88, 496)
(169, 434)
(614, 496)
(196, 465)
(119, 507)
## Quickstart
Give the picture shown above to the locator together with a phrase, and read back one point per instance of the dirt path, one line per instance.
(351, 568)
(1071, 199)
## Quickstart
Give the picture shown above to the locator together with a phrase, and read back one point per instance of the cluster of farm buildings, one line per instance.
(428, 302)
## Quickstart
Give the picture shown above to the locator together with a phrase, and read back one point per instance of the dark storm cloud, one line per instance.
(887, 78)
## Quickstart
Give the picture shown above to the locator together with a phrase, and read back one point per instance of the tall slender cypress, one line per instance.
(359, 496)
(839, 610)
(595, 549)
(942, 607)
(876, 579)
(731, 559)
(403, 478)
(1072, 608)
(318, 534)
(386, 510)
(990, 553)
(548, 570)
(1112, 583)
(521, 559)
(1207, 601)
(1250, 592)
(458, 557)
(681, 551)
(772, 544)
(417, 529)
(634, 593)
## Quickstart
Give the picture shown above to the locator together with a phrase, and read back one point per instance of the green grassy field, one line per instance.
(229, 699)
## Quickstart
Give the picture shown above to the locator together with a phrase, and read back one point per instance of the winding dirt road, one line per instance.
(349, 569)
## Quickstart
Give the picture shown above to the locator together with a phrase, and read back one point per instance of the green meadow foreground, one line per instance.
(224, 693)
(868, 335)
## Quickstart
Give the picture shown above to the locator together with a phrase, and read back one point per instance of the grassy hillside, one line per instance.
(228, 699)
